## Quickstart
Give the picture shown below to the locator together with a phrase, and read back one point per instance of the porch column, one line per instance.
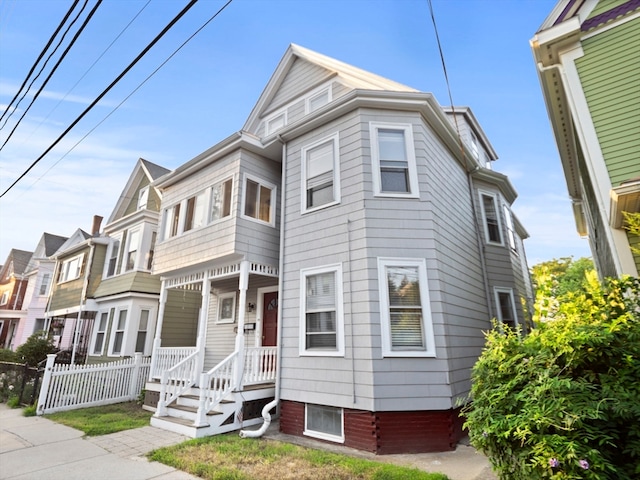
(242, 301)
(157, 340)
(76, 334)
(202, 327)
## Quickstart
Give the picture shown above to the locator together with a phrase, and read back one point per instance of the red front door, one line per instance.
(270, 319)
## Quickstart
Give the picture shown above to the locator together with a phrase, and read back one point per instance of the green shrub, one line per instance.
(563, 402)
(7, 355)
(35, 349)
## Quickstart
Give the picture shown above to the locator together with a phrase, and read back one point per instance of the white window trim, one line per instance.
(274, 199)
(209, 200)
(114, 329)
(5, 298)
(125, 253)
(274, 115)
(221, 297)
(151, 322)
(323, 435)
(94, 336)
(69, 260)
(44, 285)
(339, 351)
(315, 93)
(485, 227)
(335, 138)
(105, 271)
(496, 292)
(511, 229)
(144, 191)
(411, 159)
(385, 322)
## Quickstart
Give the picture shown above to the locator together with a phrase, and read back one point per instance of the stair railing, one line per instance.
(176, 381)
(215, 385)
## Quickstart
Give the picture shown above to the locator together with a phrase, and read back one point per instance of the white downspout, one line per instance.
(274, 403)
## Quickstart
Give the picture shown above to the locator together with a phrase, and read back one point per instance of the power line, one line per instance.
(53, 70)
(44, 50)
(104, 92)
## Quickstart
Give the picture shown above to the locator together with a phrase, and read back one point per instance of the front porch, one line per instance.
(222, 383)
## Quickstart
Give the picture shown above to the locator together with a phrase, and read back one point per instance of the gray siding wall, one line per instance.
(229, 235)
(438, 226)
(302, 76)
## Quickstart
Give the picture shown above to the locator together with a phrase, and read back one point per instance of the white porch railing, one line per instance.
(215, 385)
(167, 357)
(259, 365)
(176, 381)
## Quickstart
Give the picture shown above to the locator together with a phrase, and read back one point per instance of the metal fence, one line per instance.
(67, 387)
(21, 381)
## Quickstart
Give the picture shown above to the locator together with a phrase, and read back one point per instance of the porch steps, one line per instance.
(225, 417)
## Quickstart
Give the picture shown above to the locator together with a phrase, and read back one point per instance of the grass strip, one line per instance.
(106, 419)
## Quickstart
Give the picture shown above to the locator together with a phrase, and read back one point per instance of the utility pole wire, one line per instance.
(53, 70)
(44, 50)
(104, 92)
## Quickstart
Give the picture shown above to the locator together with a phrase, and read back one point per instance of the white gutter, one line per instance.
(267, 408)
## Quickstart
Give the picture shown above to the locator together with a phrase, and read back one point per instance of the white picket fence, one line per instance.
(67, 387)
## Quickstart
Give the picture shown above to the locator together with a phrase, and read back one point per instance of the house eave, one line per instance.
(134, 218)
(624, 198)
(499, 180)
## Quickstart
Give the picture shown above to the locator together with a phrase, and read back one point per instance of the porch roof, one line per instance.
(218, 272)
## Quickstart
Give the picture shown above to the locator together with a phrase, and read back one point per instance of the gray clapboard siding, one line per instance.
(300, 77)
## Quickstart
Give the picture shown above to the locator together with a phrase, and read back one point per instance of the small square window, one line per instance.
(276, 122)
(318, 99)
(324, 422)
(227, 308)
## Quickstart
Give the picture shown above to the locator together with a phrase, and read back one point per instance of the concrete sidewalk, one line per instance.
(35, 448)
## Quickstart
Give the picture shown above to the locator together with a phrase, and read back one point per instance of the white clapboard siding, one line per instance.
(68, 387)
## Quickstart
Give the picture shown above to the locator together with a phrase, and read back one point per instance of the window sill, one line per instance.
(323, 436)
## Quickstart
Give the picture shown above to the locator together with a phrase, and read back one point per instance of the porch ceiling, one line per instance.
(194, 280)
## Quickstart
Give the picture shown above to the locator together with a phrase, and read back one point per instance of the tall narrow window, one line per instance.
(221, 200)
(511, 232)
(506, 307)
(258, 201)
(152, 249)
(118, 335)
(113, 257)
(321, 319)
(132, 249)
(194, 216)
(101, 331)
(143, 327)
(320, 174)
(393, 158)
(474, 146)
(143, 198)
(491, 218)
(44, 285)
(5, 298)
(405, 310)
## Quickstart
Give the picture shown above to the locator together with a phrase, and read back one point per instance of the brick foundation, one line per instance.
(387, 432)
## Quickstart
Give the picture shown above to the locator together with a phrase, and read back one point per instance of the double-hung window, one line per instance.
(71, 268)
(171, 221)
(113, 255)
(101, 331)
(143, 198)
(491, 217)
(221, 200)
(143, 328)
(133, 244)
(506, 307)
(194, 216)
(405, 311)
(320, 174)
(118, 333)
(44, 284)
(511, 231)
(259, 200)
(393, 158)
(321, 317)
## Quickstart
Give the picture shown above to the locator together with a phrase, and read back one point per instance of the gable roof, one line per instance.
(143, 168)
(78, 237)
(17, 261)
(353, 76)
(47, 246)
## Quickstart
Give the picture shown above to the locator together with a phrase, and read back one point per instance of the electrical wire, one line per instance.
(104, 92)
(53, 70)
(46, 61)
(128, 96)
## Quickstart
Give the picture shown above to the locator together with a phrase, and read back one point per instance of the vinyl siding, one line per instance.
(69, 294)
(141, 282)
(230, 235)
(609, 72)
(605, 6)
(180, 325)
(301, 77)
(97, 264)
(133, 201)
(438, 226)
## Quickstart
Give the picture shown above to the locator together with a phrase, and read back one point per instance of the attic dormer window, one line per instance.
(143, 197)
(276, 122)
(317, 100)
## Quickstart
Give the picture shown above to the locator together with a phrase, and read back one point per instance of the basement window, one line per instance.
(324, 422)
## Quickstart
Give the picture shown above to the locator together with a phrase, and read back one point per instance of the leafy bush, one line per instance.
(35, 349)
(563, 401)
(7, 355)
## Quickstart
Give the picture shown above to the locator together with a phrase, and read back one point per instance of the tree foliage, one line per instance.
(35, 349)
(562, 402)
(556, 278)
(632, 224)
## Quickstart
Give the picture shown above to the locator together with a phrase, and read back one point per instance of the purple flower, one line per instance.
(553, 462)
(584, 464)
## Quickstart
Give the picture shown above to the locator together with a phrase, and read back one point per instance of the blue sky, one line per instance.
(206, 92)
